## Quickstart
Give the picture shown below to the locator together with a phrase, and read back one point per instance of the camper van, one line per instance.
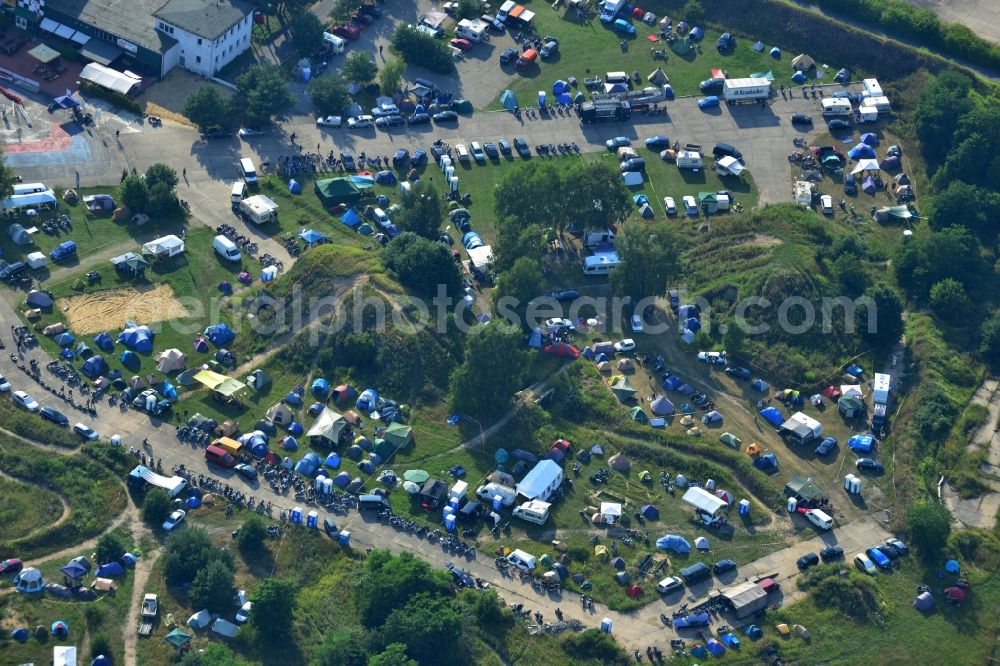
(688, 159)
(819, 519)
(600, 264)
(226, 248)
(239, 191)
(336, 45)
(491, 490)
(836, 106)
(248, 170)
(473, 30)
(522, 560)
(871, 88)
(372, 503)
(535, 511)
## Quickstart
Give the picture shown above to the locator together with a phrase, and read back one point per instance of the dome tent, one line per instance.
(661, 406)
(320, 387)
(104, 342)
(94, 367)
(219, 334)
(137, 338)
(29, 581)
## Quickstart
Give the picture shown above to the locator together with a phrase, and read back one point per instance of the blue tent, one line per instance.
(367, 401)
(951, 566)
(309, 463)
(100, 660)
(535, 339)
(60, 628)
(289, 444)
(673, 542)
(693, 324)
(65, 339)
(773, 416)
(350, 218)
(651, 512)
(758, 47)
(861, 151)
(129, 359)
(259, 449)
(753, 632)
(20, 634)
(672, 383)
(138, 338)
(67, 353)
(332, 460)
(766, 462)
(861, 443)
(729, 639)
(508, 100)
(342, 479)
(320, 387)
(697, 34)
(559, 87)
(74, 570)
(128, 559)
(692, 620)
(311, 236)
(294, 187)
(843, 76)
(564, 98)
(366, 466)
(385, 178)
(295, 428)
(104, 341)
(759, 385)
(775, 52)
(799, 77)
(293, 398)
(219, 334)
(94, 367)
(110, 570)
(715, 647)
(168, 391)
(869, 139)
(854, 370)
(193, 502)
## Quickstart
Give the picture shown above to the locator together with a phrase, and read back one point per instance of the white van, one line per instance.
(248, 170)
(226, 248)
(491, 490)
(522, 560)
(535, 511)
(337, 44)
(36, 260)
(239, 191)
(819, 519)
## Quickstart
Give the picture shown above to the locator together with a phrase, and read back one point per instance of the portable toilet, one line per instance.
(445, 162)
(793, 504)
(744, 507)
(449, 522)
(449, 172)
(312, 519)
(344, 538)
(453, 183)
(297, 515)
(404, 188)
(847, 482)
(606, 625)
(318, 485)
(447, 511)
(497, 502)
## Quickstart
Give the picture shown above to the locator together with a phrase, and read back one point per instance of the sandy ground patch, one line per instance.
(107, 310)
(166, 99)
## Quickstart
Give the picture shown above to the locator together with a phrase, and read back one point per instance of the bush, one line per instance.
(418, 48)
(156, 507)
(930, 525)
(596, 645)
(115, 98)
(110, 548)
(252, 534)
(101, 644)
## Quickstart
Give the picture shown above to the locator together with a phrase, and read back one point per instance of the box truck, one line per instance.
(745, 90)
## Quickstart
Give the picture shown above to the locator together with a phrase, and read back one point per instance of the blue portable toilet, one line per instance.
(344, 538)
(449, 523)
(447, 511)
(497, 502)
(312, 520)
(606, 625)
(294, 187)
(744, 507)
(296, 515)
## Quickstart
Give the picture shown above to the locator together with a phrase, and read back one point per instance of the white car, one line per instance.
(85, 431)
(243, 614)
(175, 519)
(636, 324)
(25, 401)
(330, 121)
(558, 322)
(826, 204)
(626, 345)
(670, 205)
(4, 385)
(716, 358)
(462, 151)
(360, 122)
(252, 131)
(691, 206)
(477, 152)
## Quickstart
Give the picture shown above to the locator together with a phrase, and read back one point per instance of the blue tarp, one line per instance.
(94, 367)
(693, 620)
(220, 333)
(350, 218)
(773, 416)
(854, 370)
(294, 187)
(104, 341)
(673, 542)
(320, 387)
(110, 570)
(861, 443)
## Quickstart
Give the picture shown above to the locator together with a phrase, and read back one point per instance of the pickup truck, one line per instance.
(150, 607)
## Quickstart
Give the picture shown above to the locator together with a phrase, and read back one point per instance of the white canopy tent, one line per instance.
(110, 78)
(731, 165)
(704, 501)
(865, 165)
(31, 200)
(165, 246)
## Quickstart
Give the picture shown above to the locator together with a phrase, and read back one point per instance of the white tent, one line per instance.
(612, 511)
(225, 628)
(32, 200)
(109, 78)
(851, 390)
(632, 178)
(865, 165)
(171, 359)
(730, 165)
(701, 543)
(200, 620)
(803, 62)
(64, 655)
(704, 501)
(166, 246)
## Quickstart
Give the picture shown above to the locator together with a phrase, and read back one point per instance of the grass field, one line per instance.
(24, 509)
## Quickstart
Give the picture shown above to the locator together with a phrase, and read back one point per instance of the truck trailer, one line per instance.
(605, 109)
(735, 91)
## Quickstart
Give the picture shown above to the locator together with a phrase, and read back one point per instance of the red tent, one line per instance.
(638, 12)
(831, 393)
(633, 591)
(562, 444)
(955, 594)
(562, 349)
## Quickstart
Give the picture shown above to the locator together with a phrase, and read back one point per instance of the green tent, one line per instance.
(462, 106)
(729, 439)
(546, 560)
(623, 390)
(416, 475)
(384, 448)
(365, 229)
(333, 191)
(850, 406)
(178, 638)
(398, 435)
(639, 416)
(769, 75)
(682, 46)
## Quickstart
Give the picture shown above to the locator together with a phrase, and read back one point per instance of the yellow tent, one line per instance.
(601, 553)
(753, 450)
(687, 420)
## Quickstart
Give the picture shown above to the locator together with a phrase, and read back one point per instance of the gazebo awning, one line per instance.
(44, 53)
(80, 38)
(100, 52)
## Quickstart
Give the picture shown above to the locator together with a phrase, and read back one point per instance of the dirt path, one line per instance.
(88, 544)
(143, 567)
(41, 528)
(981, 511)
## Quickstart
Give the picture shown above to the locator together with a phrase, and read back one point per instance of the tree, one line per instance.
(134, 193)
(206, 107)
(359, 67)
(418, 48)
(942, 103)
(7, 178)
(273, 608)
(989, 339)
(214, 654)
(343, 10)
(850, 272)
(930, 525)
(387, 581)
(593, 196)
(266, 94)
(521, 283)
(190, 550)
(429, 624)
(100, 644)
(390, 77)
(307, 33)
(253, 532)
(421, 264)
(888, 315)
(394, 654)
(494, 364)
(156, 506)
(959, 203)
(329, 94)
(422, 212)
(343, 646)
(161, 173)
(952, 252)
(949, 300)
(110, 548)
(160, 199)
(650, 255)
(213, 587)
(734, 337)
(693, 11)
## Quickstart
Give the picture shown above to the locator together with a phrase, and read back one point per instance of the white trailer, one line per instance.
(594, 238)
(880, 388)
(472, 29)
(836, 106)
(689, 159)
(871, 88)
(745, 90)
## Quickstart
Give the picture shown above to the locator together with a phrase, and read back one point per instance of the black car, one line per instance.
(53, 415)
(246, 470)
(838, 125)
(13, 270)
(850, 184)
(802, 119)
(504, 147)
(216, 133)
(722, 566)
(565, 294)
(725, 150)
(807, 560)
(491, 150)
(445, 117)
(418, 119)
(634, 164)
(389, 121)
(870, 465)
(521, 146)
(743, 374)
(508, 56)
(826, 446)
(888, 551)
(831, 553)
(348, 160)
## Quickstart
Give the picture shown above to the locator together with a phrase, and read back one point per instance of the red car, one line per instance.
(461, 44)
(11, 566)
(347, 31)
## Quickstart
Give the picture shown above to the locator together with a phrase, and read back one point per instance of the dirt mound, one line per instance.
(108, 310)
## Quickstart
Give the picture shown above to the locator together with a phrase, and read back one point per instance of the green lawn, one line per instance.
(25, 508)
(592, 48)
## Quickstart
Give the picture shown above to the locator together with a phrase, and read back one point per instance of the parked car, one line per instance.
(879, 558)
(216, 133)
(722, 566)
(888, 551)
(252, 131)
(802, 119)
(462, 152)
(54, 415)
(850, 184)
(864, 563)
(25, 401)
(831, 553)
(557, 323)
(11, 566)
(670, 205)
(626, 345)
(618, 142)
(348, 160)
(504, 147)
(418, 119)
(806, 561)
(669, 584)
(711, 84)
(360, 122)
(636, 323)
(658, 142)
(243, 614)
(742, 374)
(383, 110)
(690, 206)
(388, 121)
(521, 146)
(870, 465)
(826, 204)
(565, 294)
(634, 164)
(827, 446)
(4, 385)
(477, 152)
(900, 547)
(461, 44)
(839, 125)
(548, 49)
(85, 431)
(508, 56)
(445, 117)
(329, 121)
(491, 150)
(246, 470)
(175, 519)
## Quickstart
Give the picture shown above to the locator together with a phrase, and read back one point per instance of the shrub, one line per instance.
(100, 644)
(418, 48)
(115, 98)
